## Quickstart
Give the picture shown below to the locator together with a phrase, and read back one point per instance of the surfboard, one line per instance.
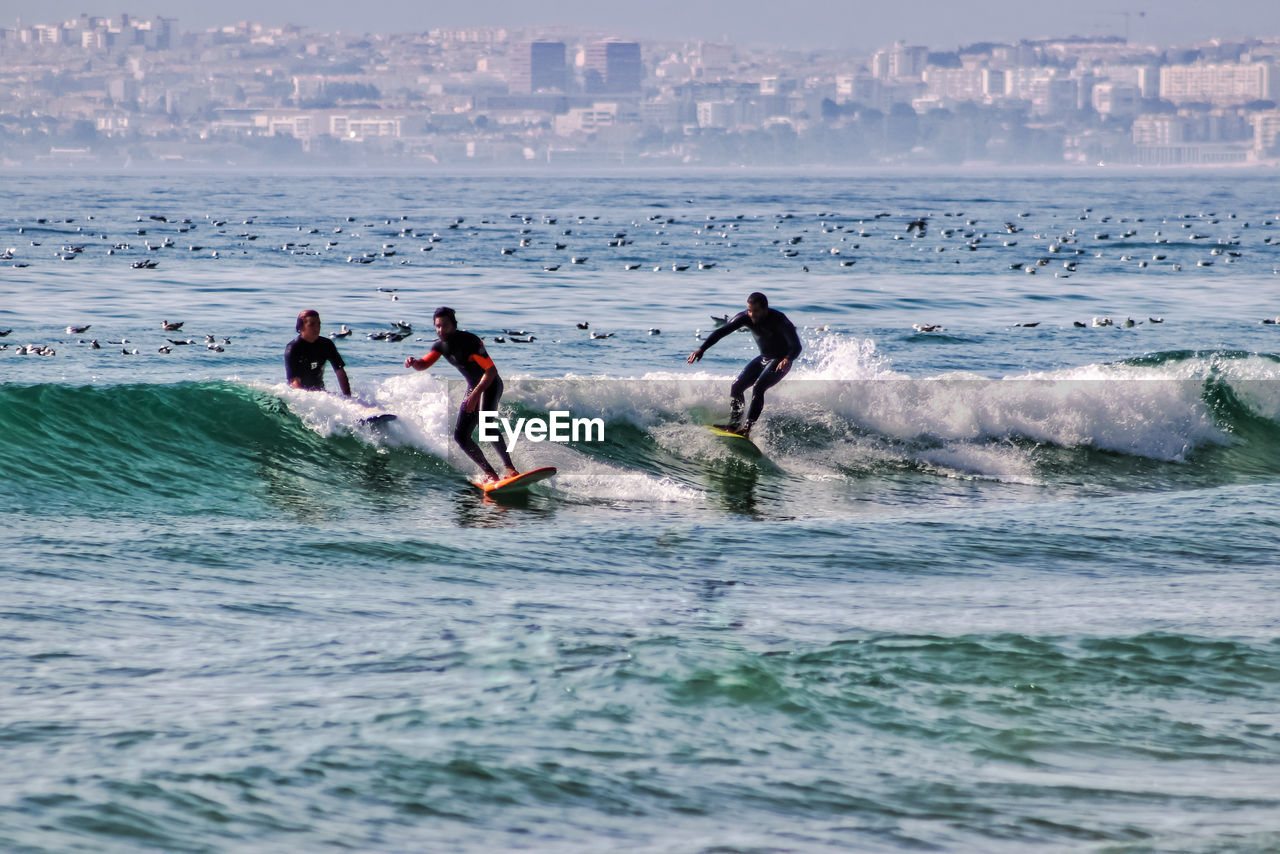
(381, 418)
(516, 483)
(736, 441)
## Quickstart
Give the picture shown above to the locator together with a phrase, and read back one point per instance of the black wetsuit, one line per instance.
(466, 352)
(304, 361)
(777, 339)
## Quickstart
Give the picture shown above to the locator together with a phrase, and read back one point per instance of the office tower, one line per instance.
(613, 67)
(536, 67)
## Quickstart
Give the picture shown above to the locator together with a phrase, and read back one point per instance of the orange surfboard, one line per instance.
(517, 482)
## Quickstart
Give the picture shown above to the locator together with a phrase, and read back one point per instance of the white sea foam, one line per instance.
(865, 414)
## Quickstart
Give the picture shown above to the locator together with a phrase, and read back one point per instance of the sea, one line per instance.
(1003, 578)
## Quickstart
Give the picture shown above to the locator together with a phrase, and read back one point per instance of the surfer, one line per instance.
(779, 347)
(484, 387)
(304, 356)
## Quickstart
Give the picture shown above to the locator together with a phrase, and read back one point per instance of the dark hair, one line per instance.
(303, 315)
(445, 311)
(757, 298)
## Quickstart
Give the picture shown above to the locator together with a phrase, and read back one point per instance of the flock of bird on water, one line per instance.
(794, 246)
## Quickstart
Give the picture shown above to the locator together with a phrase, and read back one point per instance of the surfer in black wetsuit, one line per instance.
(304, 356)
(484, 387)
(779, 347)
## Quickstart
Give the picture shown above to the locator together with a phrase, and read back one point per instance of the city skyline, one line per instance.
(155, 88)
(806, 24)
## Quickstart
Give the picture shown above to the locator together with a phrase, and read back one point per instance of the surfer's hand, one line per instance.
(470, 404)
(784, 365)
(695, 356)
(411, 362)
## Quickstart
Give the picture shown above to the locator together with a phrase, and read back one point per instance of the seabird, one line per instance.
(171, 327)
(583, 325)
(655, 331)
(77, 330)
(342, 332)
(927, 327)
(595, 335)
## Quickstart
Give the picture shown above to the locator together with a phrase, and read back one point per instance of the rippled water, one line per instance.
(997, 587)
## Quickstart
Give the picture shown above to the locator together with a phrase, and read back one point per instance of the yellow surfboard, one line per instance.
(517, 483)
(736, 441)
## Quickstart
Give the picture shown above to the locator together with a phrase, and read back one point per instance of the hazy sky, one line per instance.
(851, 24)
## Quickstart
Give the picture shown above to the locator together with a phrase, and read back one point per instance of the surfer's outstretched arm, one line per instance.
(423, 363)
(732, 326)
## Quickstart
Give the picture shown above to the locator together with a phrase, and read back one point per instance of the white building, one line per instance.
(596, 117)
(1145, 77)
(900, 62)
(716, 114)
(954, 84)
(1048, 90)
(1117, 99)
(1222, 84)
(1159, 130)
(1266, 132)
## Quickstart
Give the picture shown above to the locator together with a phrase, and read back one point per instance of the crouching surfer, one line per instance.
(466, 352)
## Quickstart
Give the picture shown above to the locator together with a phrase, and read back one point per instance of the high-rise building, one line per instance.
(613, 66)
(1223, 84)
(1117, 99)
(1266, 128)
(900, 62)
(536, 67)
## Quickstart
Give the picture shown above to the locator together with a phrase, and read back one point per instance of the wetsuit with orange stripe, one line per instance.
(466, 352)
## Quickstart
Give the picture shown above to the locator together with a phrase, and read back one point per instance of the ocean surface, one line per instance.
(1003, 582)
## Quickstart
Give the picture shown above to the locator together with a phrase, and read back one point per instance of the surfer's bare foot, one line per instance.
(511, 472)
